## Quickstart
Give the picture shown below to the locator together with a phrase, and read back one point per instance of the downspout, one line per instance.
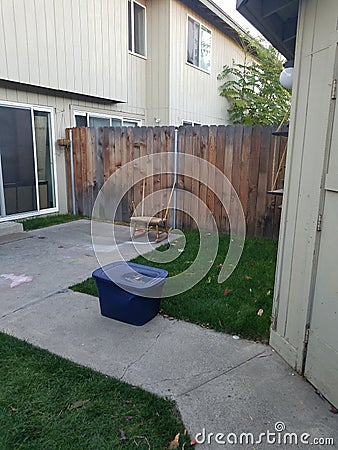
(72, 171)
(175, 176)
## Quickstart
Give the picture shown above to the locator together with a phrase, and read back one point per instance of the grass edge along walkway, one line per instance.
(241, 305)
(33, 223)
(47, 402)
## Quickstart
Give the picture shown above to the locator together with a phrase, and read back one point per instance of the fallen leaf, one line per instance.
(122, 435)
(209, 280)
(247, 277)
(227, 291)
(13, 409)
(334, 410)
(251, 262)
(175, 442)
(78, 404)
(260, 312)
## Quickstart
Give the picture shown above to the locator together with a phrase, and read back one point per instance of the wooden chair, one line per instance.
(151, 222)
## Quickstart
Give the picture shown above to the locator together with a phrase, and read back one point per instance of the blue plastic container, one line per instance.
(129, 292)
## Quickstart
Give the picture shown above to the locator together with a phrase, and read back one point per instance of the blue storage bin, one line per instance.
(129, 292)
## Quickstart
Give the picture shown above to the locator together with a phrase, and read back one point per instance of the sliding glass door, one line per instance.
(26, 161)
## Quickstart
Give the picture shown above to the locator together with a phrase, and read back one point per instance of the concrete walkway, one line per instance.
(220, 384)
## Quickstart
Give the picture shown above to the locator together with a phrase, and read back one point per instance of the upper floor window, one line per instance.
(136, 28)
(199, 45)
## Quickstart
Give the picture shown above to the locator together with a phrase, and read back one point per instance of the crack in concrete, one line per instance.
(151, 346)
(259, 355)
(34, 302)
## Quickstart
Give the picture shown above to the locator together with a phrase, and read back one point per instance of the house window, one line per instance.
(27, 181)
(199, 45)
(136, 28)
(187, 123)
(95, 120)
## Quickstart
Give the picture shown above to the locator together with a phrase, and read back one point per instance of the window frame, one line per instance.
(138, 122)
(31, 107)
(190, 123)
(132, 24)
(200, 24)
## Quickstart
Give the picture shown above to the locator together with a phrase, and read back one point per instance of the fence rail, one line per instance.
(250, 157)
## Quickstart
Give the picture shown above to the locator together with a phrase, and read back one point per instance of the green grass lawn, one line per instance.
(241, 305)
(49, 403)
(40, 222)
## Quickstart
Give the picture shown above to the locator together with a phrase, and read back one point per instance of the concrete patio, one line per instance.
(220, 384)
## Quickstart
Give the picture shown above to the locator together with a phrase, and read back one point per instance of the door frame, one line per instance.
(327, 150)
(31, 107)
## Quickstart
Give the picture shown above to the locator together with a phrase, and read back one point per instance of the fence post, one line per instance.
(72, 175)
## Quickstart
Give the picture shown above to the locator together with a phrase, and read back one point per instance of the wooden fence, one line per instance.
(251, 158)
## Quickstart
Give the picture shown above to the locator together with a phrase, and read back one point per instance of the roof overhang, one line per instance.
(275, 19)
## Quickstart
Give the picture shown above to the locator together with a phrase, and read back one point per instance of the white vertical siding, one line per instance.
(69, 45)
(315, 58)
(157, 83)
(10, 38)
(194, 94)
(64, 108)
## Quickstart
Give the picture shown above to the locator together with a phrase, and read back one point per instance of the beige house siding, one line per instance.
(63, 117)
(194, 94)
(81, 47)
(158, 62)
(298, 246)
(72, 56)
(68, 45)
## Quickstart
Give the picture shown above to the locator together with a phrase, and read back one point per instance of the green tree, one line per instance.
(253, 89)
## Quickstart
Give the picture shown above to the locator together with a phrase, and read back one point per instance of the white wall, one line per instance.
(315, 58)
(69, 45)
(194, 94)
(63, 108)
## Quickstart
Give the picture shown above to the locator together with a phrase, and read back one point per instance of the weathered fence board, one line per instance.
(249, 157)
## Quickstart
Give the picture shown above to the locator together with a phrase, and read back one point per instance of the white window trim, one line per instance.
(132, 51)
(104, 116)
(39, 212)
(200, 34)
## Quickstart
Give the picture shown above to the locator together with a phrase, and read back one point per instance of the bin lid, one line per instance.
(131, 275)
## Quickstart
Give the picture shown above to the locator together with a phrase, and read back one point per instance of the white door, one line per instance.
(321, 365)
